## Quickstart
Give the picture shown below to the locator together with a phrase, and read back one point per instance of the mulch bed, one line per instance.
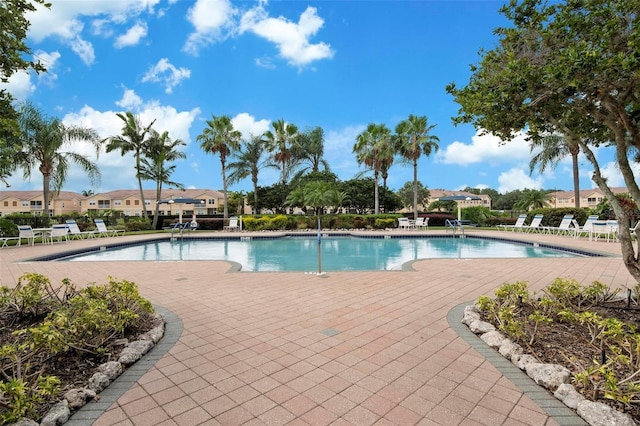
(570, 345)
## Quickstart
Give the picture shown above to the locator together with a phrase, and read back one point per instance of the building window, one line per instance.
(92, 202)
(14, 204)
(6, 203)
(592, 200)
(136, 203)
(211, 201)
(25, 204)
(104, 204)
(128, 203)
(117, 203)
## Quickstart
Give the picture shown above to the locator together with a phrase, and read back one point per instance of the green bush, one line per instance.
(138, 224)
(8, 228)
(59, 322)
(385, 223)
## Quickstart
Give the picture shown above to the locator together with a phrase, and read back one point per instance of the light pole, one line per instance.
(459, 210)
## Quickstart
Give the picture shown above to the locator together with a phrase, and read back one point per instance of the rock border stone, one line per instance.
(552, 377)
(80, 406)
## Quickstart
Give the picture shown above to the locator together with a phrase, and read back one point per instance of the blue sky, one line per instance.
(337, 64)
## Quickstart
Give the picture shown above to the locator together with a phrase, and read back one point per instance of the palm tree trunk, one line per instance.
(157, 210)
(224, 187)
(576, 179)
(144, 206)
(46, 180)
(255, 194)
(376, 203)
(415, 189)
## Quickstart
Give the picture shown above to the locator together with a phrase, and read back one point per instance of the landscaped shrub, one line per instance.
(385, 223)
(8, 228)
(138, 225)
(478, 215)
(585, 328)
(56, 326)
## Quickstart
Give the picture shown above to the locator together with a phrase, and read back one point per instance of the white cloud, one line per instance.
(487, 148)
(19, 85)
(50, 62)
(209, 18)
(117, 171)
(130, 100)
(516, 178)
(166, 73)
(248, 125)
(66, 21)
(338, 148)
(292, 39)
(84, 49)
(611, 171)
(132, 36)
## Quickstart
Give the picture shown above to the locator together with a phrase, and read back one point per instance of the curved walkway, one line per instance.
(345, 348)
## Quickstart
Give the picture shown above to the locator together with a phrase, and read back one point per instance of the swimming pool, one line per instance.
(339, 253)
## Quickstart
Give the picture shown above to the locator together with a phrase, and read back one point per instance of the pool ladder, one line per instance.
(454, 225)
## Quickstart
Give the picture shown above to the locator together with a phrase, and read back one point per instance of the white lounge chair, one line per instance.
(104, 231)
(233, 224)
(562, 229)
(535, 224)
(76, 233)
(516, 226)
(5, 240)
(586, 228)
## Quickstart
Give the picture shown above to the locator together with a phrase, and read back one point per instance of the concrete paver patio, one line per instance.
(347, 348)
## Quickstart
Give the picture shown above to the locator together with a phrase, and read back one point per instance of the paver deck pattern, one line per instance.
(355, 348)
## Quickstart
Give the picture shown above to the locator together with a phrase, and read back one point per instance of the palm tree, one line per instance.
(220, 137)
(248, 163)
(159, 151)
(310, 149)
(415, 140)
(554, 148)
(373, 148)
(42, 141)
(281, 141)
(531, 199)
(133, 139)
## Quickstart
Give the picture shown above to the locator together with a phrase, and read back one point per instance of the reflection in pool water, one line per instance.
(338, 253)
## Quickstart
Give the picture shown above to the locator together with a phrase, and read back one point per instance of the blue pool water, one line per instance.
(338, 253)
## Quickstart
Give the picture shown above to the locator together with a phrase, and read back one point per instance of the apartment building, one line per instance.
(32, 202)
(484, 201)
(125, 200)
(588, 197)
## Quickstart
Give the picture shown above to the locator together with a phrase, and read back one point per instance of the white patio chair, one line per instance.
(404, 224)
(59, 232)
(27, 233)
(422, 223)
